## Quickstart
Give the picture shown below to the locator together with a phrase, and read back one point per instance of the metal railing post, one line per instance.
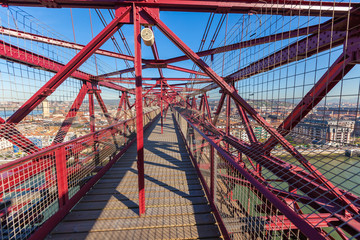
(61, 176)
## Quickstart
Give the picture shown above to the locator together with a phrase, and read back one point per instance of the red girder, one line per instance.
(68, 69)
(246, 106)
(330, 37)
(295, 176)
(324, 85)
(249, 43)
(139, 110)
(202, 80)
(289, 213)
(152, 65)
(284, 7)
(156, 56)
(61, 43)
(19, 55)
(26, 57)
(65, 126)
(310, 182)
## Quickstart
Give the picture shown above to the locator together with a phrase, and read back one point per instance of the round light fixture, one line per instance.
(147, 36)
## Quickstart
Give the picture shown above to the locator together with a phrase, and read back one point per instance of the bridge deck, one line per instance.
(175, 201)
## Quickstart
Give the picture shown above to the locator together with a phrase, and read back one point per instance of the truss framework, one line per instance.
(199, 118)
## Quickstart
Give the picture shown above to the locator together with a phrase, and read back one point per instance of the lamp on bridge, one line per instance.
(147, 36)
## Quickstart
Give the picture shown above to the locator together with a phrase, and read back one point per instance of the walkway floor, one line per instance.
(176, 205)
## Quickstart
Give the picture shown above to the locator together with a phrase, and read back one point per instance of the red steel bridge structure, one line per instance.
(249, 117)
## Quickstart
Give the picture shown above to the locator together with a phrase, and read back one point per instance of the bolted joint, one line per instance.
(92, 91)
(47, 92)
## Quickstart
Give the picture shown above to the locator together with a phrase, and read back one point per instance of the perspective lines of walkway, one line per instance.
(176, 205)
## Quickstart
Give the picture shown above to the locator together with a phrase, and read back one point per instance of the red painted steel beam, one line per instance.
(153, 65)
(119, 72)
(207, 107)
(251, 111)
(61, 176)
(61, 43)
(150, 89)
(68, 69)
(324, 85)
(156, 56)
(161, 105)
(282, 7)
(19, 55)
(139, 110)
(66, 124)
(26, 57)
(304, 226)
(49, 224)
(126, 82)
(291, 174)
(250, 43)
(172, 67)
(245, 120)
(185, 70)
(121, 103)
(218, 109)
(156, 79)
(124, 102)
(103, 107)
(115, 87)
(193, 103)
(294, 52)
(177, 92)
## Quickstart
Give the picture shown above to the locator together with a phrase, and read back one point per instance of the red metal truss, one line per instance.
(290, 214)
(61, 43)
(19, 55)
(202, 80)
(305, 47)
(65, 126)
(228, 159)
(295, 176)
(139, 110)
(153, 65)
(68, 69)
(252, 112)
(121, 104)
(324, 85)
(156, 56)
(249, 43)
(284, 7)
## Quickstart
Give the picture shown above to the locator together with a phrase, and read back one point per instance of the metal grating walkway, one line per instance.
(175, 201)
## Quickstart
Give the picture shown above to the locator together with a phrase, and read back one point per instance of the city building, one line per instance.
(326, 131)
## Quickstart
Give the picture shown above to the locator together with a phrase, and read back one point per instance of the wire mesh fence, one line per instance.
(296, 129)
(36, 187)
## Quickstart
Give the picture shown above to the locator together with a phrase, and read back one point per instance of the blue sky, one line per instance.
(189, 27)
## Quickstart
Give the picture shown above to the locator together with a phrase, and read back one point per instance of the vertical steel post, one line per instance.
(139, 110)
(92, 122)
(126, 114)
(161, 103)
(118, 112)
(228, 108)
(212, 174)
(91, 111)
(61, 176)
(70, 117)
